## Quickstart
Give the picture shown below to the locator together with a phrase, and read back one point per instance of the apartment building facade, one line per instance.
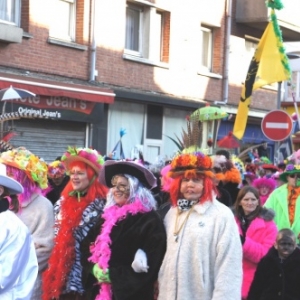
(99, 66)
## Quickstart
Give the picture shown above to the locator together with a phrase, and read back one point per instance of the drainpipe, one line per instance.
(93, 43)
(227, 49)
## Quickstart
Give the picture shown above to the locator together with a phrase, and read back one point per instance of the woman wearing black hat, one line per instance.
(124, 250)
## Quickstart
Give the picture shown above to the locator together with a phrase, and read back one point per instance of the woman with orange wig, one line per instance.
(81, 203)
(204, 255)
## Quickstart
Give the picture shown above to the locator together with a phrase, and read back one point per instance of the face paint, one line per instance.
(285, 246)
(120, 189)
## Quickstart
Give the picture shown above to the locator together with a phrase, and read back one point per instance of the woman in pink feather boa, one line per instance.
(123, 252)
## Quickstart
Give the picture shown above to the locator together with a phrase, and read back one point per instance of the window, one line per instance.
(129, 116)
(154, 122)
(157, 36)
(206, 48)
(64, 24)
(147, 32)
(134, 22)
(10, 11)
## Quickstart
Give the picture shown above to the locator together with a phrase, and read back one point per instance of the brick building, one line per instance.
(99, 66)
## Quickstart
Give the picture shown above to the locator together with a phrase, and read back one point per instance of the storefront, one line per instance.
(60, 115)
(151, 121)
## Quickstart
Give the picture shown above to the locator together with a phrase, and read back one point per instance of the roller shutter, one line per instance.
(48, 139)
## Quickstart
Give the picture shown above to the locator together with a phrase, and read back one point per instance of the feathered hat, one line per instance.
(197, 162)
(22, 159)
(89, 156)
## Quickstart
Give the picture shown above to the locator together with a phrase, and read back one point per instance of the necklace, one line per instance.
(177, 230)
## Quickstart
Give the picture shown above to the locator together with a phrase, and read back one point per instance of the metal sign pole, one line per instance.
(276, 145)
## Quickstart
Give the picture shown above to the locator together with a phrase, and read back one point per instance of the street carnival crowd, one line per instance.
(198, 226)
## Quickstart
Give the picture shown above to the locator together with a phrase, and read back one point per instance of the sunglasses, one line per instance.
(292, 175)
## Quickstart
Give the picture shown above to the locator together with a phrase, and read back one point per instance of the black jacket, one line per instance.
(141, 231)
(276, 279)
(54, 194)
(231, 188)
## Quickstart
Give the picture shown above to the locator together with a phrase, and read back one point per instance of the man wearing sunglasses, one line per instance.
(285, 200)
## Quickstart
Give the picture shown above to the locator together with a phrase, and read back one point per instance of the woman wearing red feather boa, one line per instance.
(82, 202)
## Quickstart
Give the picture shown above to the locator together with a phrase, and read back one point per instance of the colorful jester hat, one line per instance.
(22, 159)
(89, 156)
(197, 162)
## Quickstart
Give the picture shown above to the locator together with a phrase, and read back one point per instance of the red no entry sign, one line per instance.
(277, 125)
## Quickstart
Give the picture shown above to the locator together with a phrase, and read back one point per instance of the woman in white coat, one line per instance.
(18, 262)
(204, 254)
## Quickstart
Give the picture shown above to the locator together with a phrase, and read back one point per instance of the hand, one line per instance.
(139, 263)
(100, 275)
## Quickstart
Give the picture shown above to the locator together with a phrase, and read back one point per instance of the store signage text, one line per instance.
(38, 113)
(49, 102)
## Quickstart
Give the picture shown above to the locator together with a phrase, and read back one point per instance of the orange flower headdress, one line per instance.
(197, 163)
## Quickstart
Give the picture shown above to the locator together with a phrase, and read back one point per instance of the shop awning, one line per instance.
(57, 88)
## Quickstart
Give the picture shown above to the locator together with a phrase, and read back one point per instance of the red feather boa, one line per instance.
(63, 254)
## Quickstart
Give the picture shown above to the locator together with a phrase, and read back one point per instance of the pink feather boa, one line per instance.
(101, 249)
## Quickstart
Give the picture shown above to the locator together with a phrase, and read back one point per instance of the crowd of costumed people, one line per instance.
(189, 226)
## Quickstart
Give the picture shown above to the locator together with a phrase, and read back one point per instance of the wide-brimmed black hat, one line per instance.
(112, 168)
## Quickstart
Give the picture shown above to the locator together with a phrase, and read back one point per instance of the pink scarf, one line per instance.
(101, 249)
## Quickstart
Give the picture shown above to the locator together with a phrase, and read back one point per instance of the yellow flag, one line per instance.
(268, 65)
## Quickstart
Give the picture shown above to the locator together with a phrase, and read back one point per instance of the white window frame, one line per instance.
(69, 33)
(150, 33)
(13, 12)
(156, 36)
(140, 33)
(206, 49)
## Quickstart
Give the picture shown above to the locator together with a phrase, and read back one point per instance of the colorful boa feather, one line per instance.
(101, 251)
(63, 254)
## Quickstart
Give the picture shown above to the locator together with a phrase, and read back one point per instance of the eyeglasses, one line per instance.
(292, 175)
